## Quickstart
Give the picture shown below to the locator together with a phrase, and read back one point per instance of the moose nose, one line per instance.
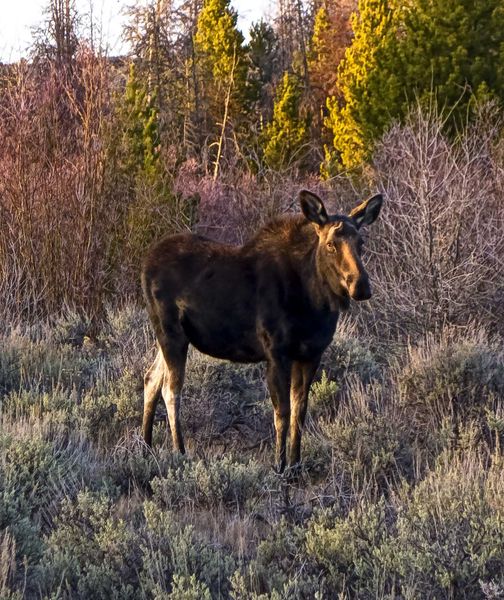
(358, 287)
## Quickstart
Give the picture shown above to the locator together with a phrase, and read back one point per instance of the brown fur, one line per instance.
(275, 299)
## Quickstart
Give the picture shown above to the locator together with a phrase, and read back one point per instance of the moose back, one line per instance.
(275, 299)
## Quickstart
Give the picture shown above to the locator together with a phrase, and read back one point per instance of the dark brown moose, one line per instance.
(275, 299)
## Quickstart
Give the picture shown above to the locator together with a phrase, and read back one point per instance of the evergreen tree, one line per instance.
(332, 34)
(221, 57)
(222, 68)
(446, 53)
(452, 53)
(139, 119)
(263, 55)
(358, 119)
(285, 139)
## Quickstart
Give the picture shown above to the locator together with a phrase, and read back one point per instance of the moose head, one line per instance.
(339, 252)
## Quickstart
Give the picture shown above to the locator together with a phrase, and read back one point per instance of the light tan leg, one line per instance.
(302, 377)
(172, 387)
(153, 382)
(278, 376)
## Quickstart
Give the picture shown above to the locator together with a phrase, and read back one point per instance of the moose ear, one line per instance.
(367, 212)
(313, 208)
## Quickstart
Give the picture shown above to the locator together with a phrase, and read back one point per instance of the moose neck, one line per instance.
(295, 239)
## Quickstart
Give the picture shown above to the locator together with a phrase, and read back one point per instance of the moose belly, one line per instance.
(221, 336)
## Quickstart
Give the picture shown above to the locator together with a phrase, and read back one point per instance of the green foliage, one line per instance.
(354, 551)
(91, 553)
(448, 526)
(360, 118)
(286, 137)
(36, 474)
(139, 146)
(26, 362)
(262, 54)
(349, 356)
(441, 54)
(323, 394)
(452, 378)
(275, 572)
(139, 119)
(452, 54)
(178, 554)
(221, 58)
(331, 37)
(219, 40)
(188, 588)
(371, 445)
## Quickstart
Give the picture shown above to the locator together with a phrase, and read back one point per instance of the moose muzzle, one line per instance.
(359, 287)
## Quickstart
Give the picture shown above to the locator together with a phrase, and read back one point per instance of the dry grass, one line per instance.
(383, 506)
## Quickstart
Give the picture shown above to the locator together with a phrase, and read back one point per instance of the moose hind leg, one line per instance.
(153, 382)
(172, 387)
(175, 355)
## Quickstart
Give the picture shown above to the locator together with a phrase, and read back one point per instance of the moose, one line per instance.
(276, 298)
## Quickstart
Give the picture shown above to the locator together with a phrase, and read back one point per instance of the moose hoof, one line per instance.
(293, 472)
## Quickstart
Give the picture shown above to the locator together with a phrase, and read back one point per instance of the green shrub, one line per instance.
(36, 475)
(347, 356)
(370, 439)
(188, 588)
(453, 377)
(279, 569)
(8, 567)
(91, 553)
(450, 527)
(324, 396)
(354, 551)
(127, 331)
(387, 505)
(42, 364)
(210, 484)
(131, 466)
(174, 553)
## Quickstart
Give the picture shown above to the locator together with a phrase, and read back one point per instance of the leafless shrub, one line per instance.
(53, 200)
(234, 206)
(439, 255)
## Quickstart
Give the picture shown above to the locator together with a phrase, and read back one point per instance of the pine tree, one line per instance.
(332, 34)
(285, 139)
(263, 55)
(161, 35)
(442, 53)
(222, 69)
(140, 143)
(453, 53)
(362, 115)
(221, 55)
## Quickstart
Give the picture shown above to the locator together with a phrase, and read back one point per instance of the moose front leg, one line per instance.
(303, 373)
(278, 376)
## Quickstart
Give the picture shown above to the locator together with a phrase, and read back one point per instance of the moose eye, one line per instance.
(331, 247)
